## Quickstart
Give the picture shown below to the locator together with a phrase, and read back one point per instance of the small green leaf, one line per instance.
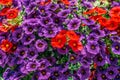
(70, 78)
(1, 78)
(1, 7)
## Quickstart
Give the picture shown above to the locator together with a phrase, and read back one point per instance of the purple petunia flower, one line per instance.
(92, 37)
(85, 61)
(87, 4)
(41, 45)
(21, 52)
(55, 72)
(88, 21)
(73, 58)
(112, 60)
(17, 4)
(115, 38)
(98, 32)
(50, 31)
(17, 35)
(4, 35)
(95, 26)
(30, 8)
(92, 47)
(43, 64)
(100, 69)
(32, 65)
(83, 72)
(44, 74)
(2, 58)
(114, 3)
(7, 74)
(116, 47)
(32, 53)
(36, 76)
(29, 29)
(46, 21)
(111, 72)
(53, 6)
(99, 60)
(57, 20)
(63, 13)
(102, 76)
(33, 14)
(66, 72)
(27, 39)
(23, 67)
(64, 50)
(74, 24)
(31, 22)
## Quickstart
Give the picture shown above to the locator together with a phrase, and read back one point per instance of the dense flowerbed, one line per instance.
(59, 40)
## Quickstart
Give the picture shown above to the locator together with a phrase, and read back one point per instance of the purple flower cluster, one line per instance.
(33, 56)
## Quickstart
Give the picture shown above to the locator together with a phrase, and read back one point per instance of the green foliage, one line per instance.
(1, 78)
(1, 7)
(18, 20)
(28, 77)
(70, 78)
(70, 16)
(63, 59)
(106, 66)
(1, 71)
(85, 30)
(74, 66)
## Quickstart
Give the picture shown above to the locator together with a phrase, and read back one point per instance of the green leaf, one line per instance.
(1, 78)
(70, 16)
(70, 78)
(118, 62)
(106, 66)
(1, 7)
(63, 59)
(84, 41)
(74, 66)
(28, 77)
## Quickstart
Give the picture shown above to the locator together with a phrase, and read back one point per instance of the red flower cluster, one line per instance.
(66, 2)
(5, 27)
(96, 11)
(111, 23)
(10, 13)
(6, 45)
(67, 37)
(6, 2)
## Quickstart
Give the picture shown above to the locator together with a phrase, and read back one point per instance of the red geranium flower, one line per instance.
(75, 45)
(4, 11)
(12, 13)
(5, 2)
(102, 21)
(5, 27)
(62, 33)
(100, 11)
(58, 41)
(6, 45)
(72, 35)
(66, 2)
(95, 10)
(95, 18)
(116, 18)
(91, 11)
(115, 11)
(111, 24)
